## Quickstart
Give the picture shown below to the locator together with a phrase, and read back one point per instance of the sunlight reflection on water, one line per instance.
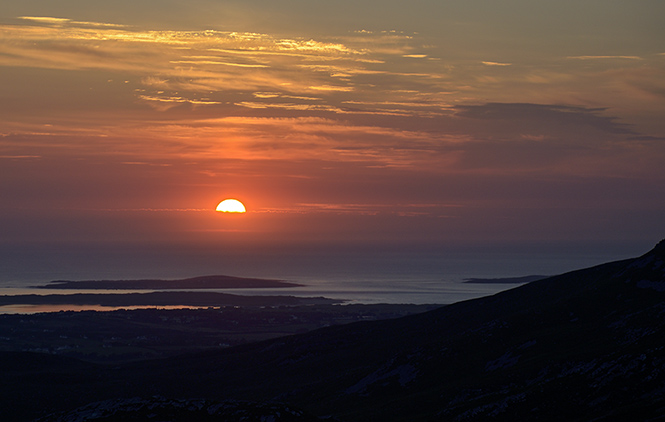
(35, 309)
(352, 292)
(390, 278)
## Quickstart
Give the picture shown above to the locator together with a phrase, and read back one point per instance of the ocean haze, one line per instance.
(385, 153)
(363, 275)
(347, 130)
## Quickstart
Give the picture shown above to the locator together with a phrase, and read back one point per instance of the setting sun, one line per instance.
(231, 205)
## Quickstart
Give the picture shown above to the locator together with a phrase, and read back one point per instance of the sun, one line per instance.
(231, 205)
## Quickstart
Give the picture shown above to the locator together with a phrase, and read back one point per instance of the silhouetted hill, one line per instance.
(586, 345)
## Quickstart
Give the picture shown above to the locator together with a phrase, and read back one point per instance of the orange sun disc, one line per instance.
(231, 205)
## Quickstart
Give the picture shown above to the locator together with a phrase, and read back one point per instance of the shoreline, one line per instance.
(201, 282)
(198, 299)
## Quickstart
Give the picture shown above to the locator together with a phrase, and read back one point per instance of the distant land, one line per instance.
(202, 282)
(506, 280)
(126, 335)
(161, 299)
(580, 346)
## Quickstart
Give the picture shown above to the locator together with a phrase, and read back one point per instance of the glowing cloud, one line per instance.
(605, 57)
(496, 64)
(334, 131)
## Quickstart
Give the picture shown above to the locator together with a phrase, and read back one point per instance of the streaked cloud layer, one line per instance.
(434, 123)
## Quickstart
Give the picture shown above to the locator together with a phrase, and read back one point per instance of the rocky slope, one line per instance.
(586, 345)
(178, 410)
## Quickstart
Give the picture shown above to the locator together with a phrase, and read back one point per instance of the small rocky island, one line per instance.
(506, 280)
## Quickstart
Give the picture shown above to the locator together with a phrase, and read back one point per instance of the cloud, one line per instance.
(204, 62)
(187, 66)
(547, 117)
(377, 104)
(176, 100)
(554, 141)
(369, 209)
(367, 73)
(332, 88)
(45, 19)
(604, 57)
(20, 157)
(496, 64)
(65, 21)
(288, 106)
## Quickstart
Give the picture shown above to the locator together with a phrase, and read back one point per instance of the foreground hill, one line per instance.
(580, 346)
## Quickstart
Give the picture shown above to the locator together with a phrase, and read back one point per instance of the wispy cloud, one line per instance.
(204, 62)
(288, 106)
(20, 157)
(605, 57)
(371, 209)
(370, 73)
(366, 97)
(496, 64)
(65, 21)
(332, 88)
(178, 67)
(164, 103)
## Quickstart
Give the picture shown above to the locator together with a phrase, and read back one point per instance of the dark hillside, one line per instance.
(586, 345)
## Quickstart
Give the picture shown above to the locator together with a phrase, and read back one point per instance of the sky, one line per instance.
(418, 126)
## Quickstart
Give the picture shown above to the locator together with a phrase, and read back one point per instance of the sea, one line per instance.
(393, 277)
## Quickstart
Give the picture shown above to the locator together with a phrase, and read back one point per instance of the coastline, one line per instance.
(201, 282)
(161, 299)
(28, 300)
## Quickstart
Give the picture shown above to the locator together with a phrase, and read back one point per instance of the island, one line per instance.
(506, 280)
(202, 282)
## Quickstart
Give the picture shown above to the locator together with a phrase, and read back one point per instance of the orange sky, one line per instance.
(347, 124)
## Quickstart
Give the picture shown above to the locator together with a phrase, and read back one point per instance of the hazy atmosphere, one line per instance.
(307, 210)
(418, 129)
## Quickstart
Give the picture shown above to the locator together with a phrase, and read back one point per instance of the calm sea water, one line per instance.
(387, 277)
